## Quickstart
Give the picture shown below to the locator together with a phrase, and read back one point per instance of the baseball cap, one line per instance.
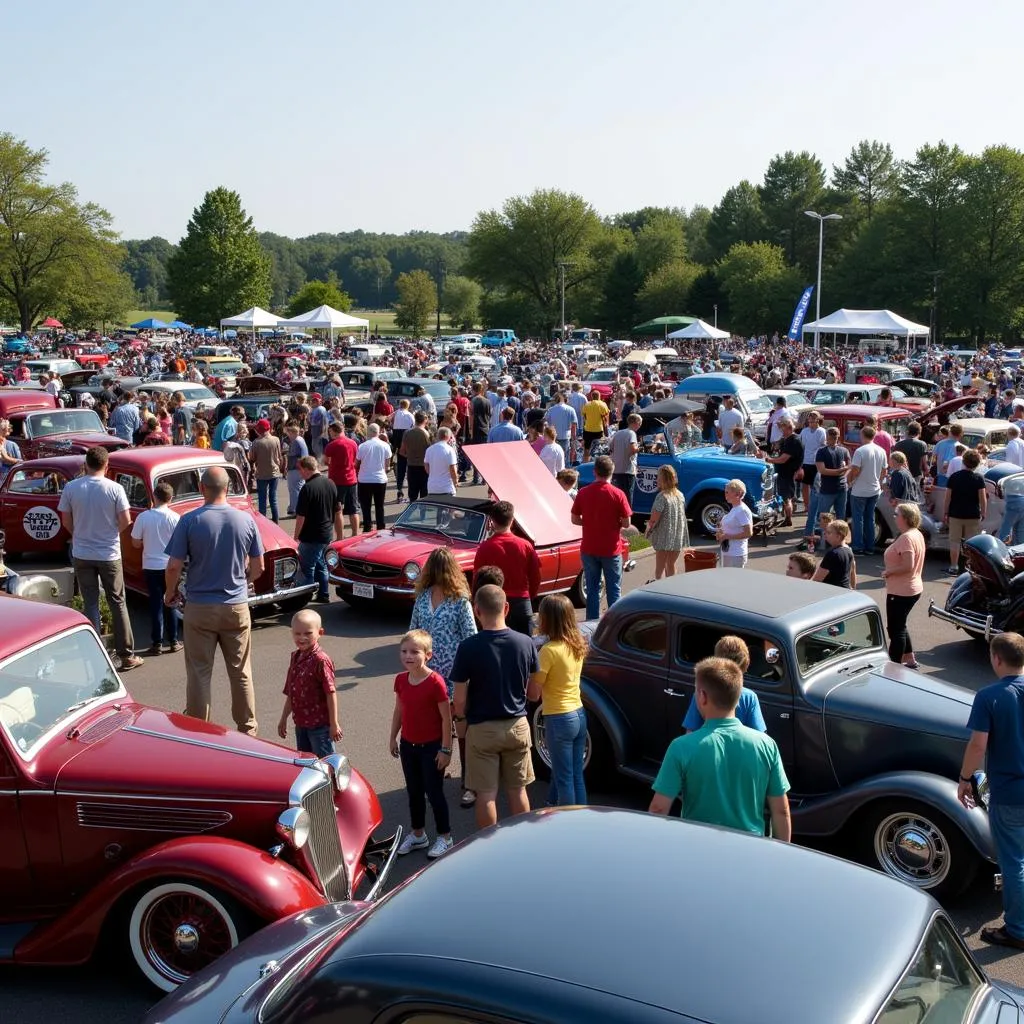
(262, 426)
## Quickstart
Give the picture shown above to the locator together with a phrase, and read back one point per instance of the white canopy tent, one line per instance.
(867, 322)
(251, 318)
(701, 330)
(324, 318)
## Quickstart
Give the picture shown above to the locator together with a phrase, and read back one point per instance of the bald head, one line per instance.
(215, 481)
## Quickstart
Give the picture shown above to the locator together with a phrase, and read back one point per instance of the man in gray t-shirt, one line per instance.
(623, 448)
(224, 553)
(94, 510)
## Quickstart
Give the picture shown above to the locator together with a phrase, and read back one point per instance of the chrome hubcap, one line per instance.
(711, 516)
(913, 849)
(186, 938)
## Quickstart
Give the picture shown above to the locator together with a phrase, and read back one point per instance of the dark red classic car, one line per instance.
(385, 563)
(174, 835)
(39, 426)
(31, 491)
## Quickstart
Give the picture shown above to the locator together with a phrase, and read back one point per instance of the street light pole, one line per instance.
(716, 315)
(441, 268)
(562, 264)
(821, 245)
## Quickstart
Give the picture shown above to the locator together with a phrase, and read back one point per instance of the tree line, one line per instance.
(936, 237)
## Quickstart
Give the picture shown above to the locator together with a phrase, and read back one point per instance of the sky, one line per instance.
(397, 116)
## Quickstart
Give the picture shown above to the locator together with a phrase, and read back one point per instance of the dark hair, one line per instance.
(971, 459)
(488, 576)
(603, 467)
(914, 429)
(163, 492)
(503, 513)
(96, 458)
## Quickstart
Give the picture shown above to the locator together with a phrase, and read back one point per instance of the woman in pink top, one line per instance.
(904, 560)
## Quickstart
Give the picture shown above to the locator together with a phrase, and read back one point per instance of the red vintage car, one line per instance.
(31, 491)
(89, 355)
(384, 564)
(177, 836)
(39, 426)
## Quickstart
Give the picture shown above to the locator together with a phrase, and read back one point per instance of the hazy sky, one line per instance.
(389, 116)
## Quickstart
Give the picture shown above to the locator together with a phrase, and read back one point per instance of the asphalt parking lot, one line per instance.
(364, 649)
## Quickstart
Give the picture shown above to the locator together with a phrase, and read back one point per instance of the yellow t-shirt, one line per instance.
(560, 672)
(203, 442)
(593, 416)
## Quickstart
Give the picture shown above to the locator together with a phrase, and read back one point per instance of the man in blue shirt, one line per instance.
(125, 418)
(562, 417)
(748, 710)
(227, 428)
(997, 742)
(224, 552)
(506, 430)
(944, 451)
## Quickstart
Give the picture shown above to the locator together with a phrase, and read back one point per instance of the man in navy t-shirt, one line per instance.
(997, 741)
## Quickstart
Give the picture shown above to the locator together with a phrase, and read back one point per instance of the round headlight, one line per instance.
(341, 770)
(293, 827)
(332, 558)
(411, 571)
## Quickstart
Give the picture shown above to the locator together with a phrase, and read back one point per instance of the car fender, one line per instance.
(269, 887)
(823, 816)
(608, 715)
(705, 484)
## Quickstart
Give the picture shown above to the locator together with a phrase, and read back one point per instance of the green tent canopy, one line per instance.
(662, 324)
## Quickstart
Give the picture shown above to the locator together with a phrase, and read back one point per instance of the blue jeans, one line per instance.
(265, 489)
(834, 503)
(163, 623)
(566, 739)
(1012, 525)
(314, 741)
(1007, 821)
(295, 483)
(812, 513)
(313, 567)
(864, 522)
(593, 567)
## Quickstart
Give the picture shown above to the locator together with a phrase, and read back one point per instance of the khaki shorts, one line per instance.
(498, 754)
(961, 529)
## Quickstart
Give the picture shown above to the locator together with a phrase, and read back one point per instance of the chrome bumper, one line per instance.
(973, 622)
(380, 858)
(280, 595)
(345, 581)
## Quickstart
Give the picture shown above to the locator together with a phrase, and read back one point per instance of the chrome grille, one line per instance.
(324, 845)
(368, 570)
(184, 821)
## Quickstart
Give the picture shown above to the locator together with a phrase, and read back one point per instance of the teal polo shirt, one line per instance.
(723, 773)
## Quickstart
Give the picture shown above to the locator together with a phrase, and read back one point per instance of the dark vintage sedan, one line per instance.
(872, 749)
(868, 948)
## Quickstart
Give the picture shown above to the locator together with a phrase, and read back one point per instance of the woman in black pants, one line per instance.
(904, 560)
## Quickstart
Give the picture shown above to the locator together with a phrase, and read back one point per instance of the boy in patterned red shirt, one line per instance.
(310, 696)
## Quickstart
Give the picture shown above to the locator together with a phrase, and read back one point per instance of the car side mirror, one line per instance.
(773, 655)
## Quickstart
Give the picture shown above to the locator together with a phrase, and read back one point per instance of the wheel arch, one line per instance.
(608, 716)
(264, 885)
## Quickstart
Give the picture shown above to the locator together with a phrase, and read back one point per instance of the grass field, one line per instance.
(133, 316)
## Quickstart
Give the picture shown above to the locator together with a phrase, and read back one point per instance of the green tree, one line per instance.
(46, 234)
(374, 272)
(793, 183)
(319, 293)
(461, 301)
(736, 218)
(518, 249)
(145, 262)
(220, 267)
(661, 240)
(706, 293)
(620, 306)
(762, 289)
(417, 301)
(665, 292)
(869, 174)
(697, 247)
(95, 293)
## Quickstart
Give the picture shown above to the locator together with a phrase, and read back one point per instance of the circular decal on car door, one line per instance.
(41, 523)
(647, 480)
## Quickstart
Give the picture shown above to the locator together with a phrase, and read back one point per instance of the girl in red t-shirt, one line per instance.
(424, 718)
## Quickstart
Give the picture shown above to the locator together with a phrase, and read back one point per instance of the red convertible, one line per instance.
(385, 563)
(31, 491)
(175, 836)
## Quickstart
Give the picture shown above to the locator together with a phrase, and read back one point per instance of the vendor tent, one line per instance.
(251, 318)
(323, 318)
(52, 322)
(700, 329)
(662, 324)
(150, 324)
(180, 325)
(867, 322)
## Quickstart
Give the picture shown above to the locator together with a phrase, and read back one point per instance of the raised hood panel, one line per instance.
(896, 719)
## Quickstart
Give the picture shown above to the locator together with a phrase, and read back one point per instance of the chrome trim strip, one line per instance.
(344, 581)
(147, 796)
(280, 595)
(210, 746)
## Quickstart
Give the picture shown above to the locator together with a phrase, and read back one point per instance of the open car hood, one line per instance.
(513, 471)
(946, 409)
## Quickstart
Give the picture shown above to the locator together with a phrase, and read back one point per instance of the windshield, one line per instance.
(603, 375)
(758, 403)
(64, 421)
(860, 632)
(197, 393)
(44, 685)
(216, 369)
(463, 523)
(940, 983)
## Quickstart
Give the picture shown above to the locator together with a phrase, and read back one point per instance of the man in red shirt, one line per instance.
(517, 559)
(602, 510)
(340, 456)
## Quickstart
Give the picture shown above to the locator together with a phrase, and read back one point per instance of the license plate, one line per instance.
(362, 590)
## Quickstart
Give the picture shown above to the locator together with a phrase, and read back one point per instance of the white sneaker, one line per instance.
(440, 848)
(412, 842)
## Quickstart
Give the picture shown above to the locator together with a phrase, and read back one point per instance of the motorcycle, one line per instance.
(987, 599)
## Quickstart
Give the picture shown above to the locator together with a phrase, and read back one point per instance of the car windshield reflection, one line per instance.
(862, 632)
(65, 421)
(46, 684)
(461, 523)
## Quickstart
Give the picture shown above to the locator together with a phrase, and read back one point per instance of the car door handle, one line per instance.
(674, 693)
(783, 714)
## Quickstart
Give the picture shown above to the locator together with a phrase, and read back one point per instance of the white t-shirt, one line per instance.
(955, 465)
(728, 421)
(404, 420)
(437, 459)
(95, 503)
(872, 462)
(553, 457)
(154, 528)
(732, 522)
(776, 417)
(373, 457)
(812, 440)
(1014, 451)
